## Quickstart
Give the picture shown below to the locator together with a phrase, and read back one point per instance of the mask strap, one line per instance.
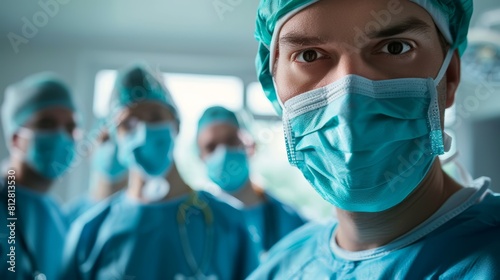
(447, 141)
(444, 66)
(439, 146)
(282, 105)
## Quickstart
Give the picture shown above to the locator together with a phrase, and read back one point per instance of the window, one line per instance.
(192, 95)
(104, 82)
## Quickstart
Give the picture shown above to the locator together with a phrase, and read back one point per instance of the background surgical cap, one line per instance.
(137, 84)
(217, 114)
(452, 17)
(29, 96)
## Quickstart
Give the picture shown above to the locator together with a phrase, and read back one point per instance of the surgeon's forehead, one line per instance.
(56, 115)
(349, 20)
(147, 108)
(218, 132)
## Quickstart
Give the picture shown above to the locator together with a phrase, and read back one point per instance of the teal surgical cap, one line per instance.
(137, 84)
(217, 114)
(452, 17)
(29, 96)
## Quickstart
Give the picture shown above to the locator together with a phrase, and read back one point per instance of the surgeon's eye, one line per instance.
(308, 56)
(128, 124)
(396, 47)
(210, 148)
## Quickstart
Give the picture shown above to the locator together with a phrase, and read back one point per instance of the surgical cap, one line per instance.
(137, 84)
(29, 96)
(217, 114)
(452, 17)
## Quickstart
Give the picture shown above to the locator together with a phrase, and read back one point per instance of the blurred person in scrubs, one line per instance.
(40, 128)
(225, 150)
(363, 112)
(158, 228)
(107, 176)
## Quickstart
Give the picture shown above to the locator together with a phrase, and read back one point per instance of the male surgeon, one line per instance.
(362, 87)
(40, 129)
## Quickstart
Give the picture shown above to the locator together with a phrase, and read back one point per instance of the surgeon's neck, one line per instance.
(251, 194)
(177, 186)
(105, 188)
(359, 231)
(27, 178)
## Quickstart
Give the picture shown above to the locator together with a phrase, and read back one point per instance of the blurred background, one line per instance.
(205, 49)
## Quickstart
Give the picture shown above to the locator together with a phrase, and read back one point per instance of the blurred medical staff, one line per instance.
(159, 228)
(107, 176)
(362, 87)
(40, 128)
(225, 150)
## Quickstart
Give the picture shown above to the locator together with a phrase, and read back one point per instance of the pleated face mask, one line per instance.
(228, 167)
(50, 153)
(366, 145)
(149, 148)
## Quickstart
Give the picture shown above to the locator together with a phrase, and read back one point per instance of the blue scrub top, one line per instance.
(40, 230)
(460, 241)
(270, 221)
(77, 207)
(122, 239)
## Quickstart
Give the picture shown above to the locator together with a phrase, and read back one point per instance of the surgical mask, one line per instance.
(366, 145)
(50, 153)
(105, 162)
(228, 168)
(148, 148)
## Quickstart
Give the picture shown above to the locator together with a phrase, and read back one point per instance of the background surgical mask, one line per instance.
(50, 153)
(228, 167)
(105, 162)
(148, 148)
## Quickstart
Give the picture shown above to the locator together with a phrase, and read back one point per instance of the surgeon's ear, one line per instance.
(452, 79)
(14, 141)
(251, 149)
(248, 142)
(19, 143)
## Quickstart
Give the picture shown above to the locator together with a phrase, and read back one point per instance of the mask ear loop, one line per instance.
(282, 105)
(444, 66)
(447, 141)
(439, 146)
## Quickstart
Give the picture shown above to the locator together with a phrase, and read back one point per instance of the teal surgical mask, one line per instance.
(366, 145)
(105, 162)
(228, 168)
(148, 148)
(50, 153)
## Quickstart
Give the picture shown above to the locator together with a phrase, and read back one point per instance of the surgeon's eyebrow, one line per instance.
(411, 24)
(296, 39)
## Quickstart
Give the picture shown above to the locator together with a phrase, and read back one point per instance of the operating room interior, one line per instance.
(205, 53)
